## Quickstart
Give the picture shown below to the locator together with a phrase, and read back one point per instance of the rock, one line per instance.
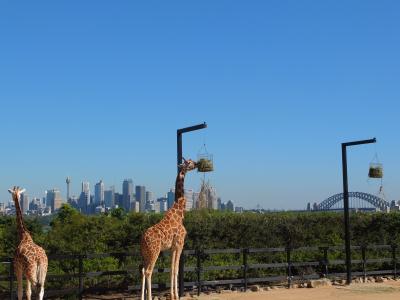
(267, 288)
(379, 279)
(318, 283)
(255, 288)
(340, 281)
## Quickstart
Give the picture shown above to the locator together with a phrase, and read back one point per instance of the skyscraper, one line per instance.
(127, 193)
(149, 200)
(212, 198)
(118, 200)
(86, 187)
(109, 197)
(53, 199)
(170, 198)
(141, 197)
(84, 198)
(24, 203)
(99, 193)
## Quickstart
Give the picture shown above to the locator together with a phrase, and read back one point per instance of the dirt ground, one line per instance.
(363, 291)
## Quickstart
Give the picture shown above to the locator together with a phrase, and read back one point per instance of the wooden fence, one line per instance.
(285, 271)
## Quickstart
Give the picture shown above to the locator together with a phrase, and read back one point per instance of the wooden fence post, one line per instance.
(245, 267)
(394, 258)
(364, 262)
(198, 271)
(289, 267)
(81, 275)
(11, 278)
(326, 262)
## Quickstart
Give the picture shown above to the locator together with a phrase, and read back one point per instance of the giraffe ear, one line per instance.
(22, 191)
(10, 191)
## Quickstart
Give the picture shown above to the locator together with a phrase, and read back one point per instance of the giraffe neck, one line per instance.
(182, 206)
(20, 222)
(179, 185)
(178, 209)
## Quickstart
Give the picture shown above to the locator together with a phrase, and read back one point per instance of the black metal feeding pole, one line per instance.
(179, 133)
(346, 202)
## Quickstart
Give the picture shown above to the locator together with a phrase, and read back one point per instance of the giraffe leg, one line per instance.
(149, 295)
(173, 256)
(42, 271)
(28, 289)
(143, 284)
(148, 273)
(19, 275)
(177, 257)
(148, 270)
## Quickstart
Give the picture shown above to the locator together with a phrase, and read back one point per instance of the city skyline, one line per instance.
(131, 198)
(97, 91)
(94, 192)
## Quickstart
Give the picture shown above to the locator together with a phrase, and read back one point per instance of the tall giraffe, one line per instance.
(169, 233)
(30, 260)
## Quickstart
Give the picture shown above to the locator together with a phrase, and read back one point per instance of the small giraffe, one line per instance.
(30, 260)
(169, 233)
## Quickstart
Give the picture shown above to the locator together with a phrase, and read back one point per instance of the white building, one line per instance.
(53, 199)
(99, 193)
(189, 199)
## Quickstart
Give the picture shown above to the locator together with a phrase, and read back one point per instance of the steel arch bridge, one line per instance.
(371, 199)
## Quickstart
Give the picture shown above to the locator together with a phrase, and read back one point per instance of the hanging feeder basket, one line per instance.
(205, 162)
(205, 165)
(375, 170)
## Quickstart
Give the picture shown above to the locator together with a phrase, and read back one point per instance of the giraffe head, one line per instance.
(16, 192)
(187, 165)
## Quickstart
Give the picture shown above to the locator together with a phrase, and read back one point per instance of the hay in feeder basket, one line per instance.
(205, 165)
(375, 170)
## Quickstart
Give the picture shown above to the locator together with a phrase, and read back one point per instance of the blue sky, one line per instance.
(96, 90)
